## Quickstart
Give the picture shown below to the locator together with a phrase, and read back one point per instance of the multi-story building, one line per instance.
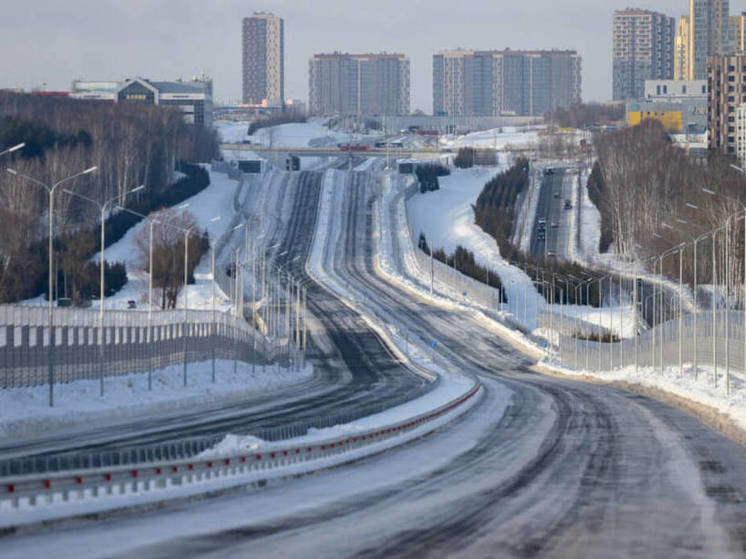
(493, 83)
(193, 98)
(708, 34)
(361, 84)
(681, 50)
(263, 60)
(737, 33)
(674, 90)
(727, 91)
(741, 133)
(642, 49)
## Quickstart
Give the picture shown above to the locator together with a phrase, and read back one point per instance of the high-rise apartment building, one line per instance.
(681, 50)
(727, 91)
(708, 34)
(737, 33)
(491, 83)
(361, 84)
(642, 49)
(263, 60)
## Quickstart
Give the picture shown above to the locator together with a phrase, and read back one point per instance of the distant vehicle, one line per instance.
(551, 254)
(542, 220)
(131, 304)
(568, 205)
(554, 225)
(548, 171)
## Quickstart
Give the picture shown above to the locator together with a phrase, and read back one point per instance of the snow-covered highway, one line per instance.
(541, 466)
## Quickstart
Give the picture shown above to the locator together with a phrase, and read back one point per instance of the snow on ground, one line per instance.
(448, 390)
(298, 134)
(499, 138)
(232, 132)
(215, 200)
(447, 219)
(26, 411)
(703, 390)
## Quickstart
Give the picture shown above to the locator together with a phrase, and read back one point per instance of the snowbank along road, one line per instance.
(543, 466)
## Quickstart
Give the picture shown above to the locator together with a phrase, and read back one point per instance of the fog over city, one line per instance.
(50, 42)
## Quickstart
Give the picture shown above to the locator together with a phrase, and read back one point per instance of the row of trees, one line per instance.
(168, 252)
(427, 175)
(462, 259)
(642, 181)
(494, 211)
(130, 145)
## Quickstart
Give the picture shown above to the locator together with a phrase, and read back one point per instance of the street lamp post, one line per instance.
(50, 190)
(743, 206)
(14, 148)
(103, 208)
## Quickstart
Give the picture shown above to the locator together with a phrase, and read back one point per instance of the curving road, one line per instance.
(569, 470)
(357, 374)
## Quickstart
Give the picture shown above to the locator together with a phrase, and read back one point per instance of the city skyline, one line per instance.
(151, 39)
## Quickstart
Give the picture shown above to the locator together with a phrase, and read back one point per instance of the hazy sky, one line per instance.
(54, 41)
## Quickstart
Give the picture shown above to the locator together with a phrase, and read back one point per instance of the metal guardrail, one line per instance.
(136, 477)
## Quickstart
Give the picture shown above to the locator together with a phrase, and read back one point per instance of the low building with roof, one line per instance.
(193, 98)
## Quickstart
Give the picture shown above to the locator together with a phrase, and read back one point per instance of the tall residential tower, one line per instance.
(263, 60)
(708, 34)
(643, 49)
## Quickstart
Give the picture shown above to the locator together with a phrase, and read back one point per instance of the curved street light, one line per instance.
(50, 191)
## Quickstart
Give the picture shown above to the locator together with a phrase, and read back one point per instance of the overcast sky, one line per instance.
(55, 41)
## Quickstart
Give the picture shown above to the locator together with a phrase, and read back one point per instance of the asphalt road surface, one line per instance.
(570, 470)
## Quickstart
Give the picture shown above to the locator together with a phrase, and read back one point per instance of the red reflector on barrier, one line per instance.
(134, 473)
(47, 483)
(243, 459)
(107, 477)
(297, 451)
(175, 468)
(158, 471)
(190, 466)
(78, 480)
(285, 452)
(272, 454)
(209, 464)
(11, 488)
(308, 449)
(323, 447)
(227, 461)
(258, 456)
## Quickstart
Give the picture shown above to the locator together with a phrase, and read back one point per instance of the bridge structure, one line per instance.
(333, 151)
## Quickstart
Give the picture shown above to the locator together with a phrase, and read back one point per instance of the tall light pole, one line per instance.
(50, 190)
(103, 208)
(743, 206)
(212, 287)
(14, 148)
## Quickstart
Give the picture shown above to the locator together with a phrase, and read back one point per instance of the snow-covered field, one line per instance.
(447, 219)
(499, 138)
(214, 201)
(26, 411)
